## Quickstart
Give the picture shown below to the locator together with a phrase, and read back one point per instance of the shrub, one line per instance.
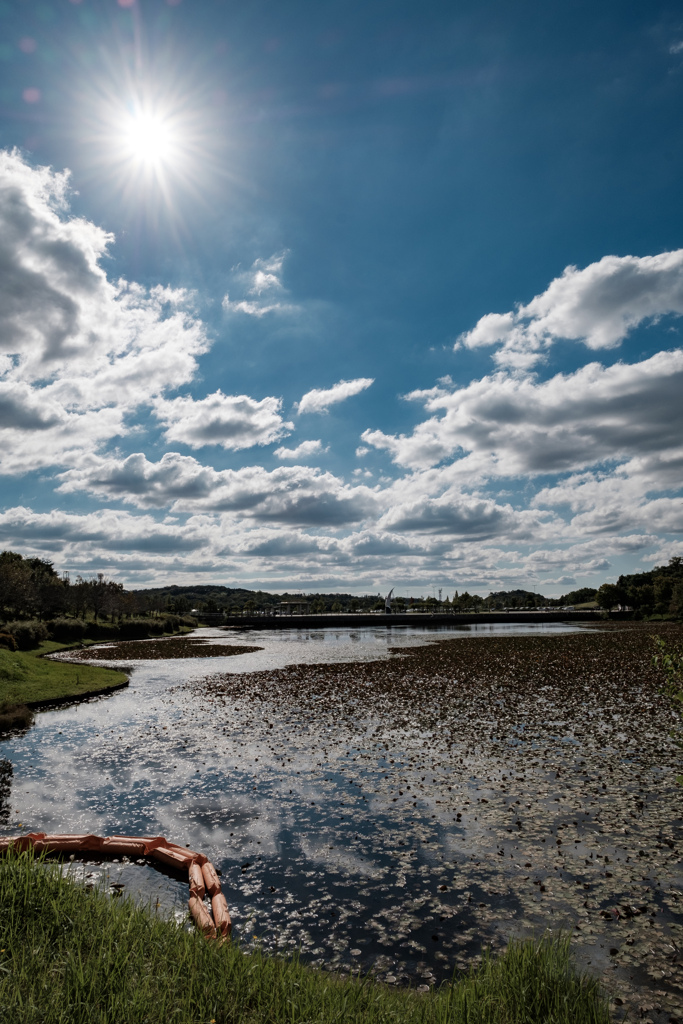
(14, 716)
(139, 629)
(66, 630)
(27, 634)
(102, 631)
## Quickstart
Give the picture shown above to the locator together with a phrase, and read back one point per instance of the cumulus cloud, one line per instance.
(57, 307)
(74, 343)
(467, 516)
(288, 494)
(81, 356)
(598, 306)
(507, 425)
(320, 399)
(104, 531)
(233, 421)
(302, 451)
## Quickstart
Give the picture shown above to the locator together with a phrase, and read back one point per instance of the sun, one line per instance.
(149, 139)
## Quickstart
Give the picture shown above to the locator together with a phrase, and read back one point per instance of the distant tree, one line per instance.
(663, 593)
(15, 583)
(676, 605)
(609, 595)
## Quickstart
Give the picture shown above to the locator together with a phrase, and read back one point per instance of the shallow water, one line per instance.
(281, 647)
(380, 813)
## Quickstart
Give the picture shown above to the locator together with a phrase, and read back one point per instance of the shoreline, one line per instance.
(53, 702)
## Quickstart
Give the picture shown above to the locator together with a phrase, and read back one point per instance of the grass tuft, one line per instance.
(69, 956)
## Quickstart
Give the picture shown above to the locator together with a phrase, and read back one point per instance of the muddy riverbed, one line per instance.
(399, 814)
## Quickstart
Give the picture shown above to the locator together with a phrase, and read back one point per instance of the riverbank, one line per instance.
(28, 680)
(67, 953)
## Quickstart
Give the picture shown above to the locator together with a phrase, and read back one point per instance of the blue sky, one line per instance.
(342, 296)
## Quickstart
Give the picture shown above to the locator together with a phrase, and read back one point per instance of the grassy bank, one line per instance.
(69, 956)
(27, 678)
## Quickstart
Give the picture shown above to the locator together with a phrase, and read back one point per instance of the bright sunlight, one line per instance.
(150, 139)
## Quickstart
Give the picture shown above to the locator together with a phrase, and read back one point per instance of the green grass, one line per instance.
(26, 678)
(68, 956)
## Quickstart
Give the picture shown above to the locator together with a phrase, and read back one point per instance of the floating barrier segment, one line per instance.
(202, 875)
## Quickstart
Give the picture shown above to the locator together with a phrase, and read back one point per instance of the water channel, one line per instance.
(338, 829)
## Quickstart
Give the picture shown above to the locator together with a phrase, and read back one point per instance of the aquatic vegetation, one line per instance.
(397, 816)
(162, 648)
(670, 663)
(70, 954)
(478, 788)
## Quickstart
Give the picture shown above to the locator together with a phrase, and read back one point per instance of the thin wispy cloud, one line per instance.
(320, 399)
(261, 288)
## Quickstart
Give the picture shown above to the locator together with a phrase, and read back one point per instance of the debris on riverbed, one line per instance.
(490, 787)
(162, 648)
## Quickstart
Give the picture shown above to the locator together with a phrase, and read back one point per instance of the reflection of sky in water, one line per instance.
(281, 647)
(362, 839)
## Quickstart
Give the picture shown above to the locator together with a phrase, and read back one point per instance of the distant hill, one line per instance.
(212, 598)
(581, 596)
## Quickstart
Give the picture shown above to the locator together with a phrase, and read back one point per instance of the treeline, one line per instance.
(37, 603)
(658, 591)
(31, 590)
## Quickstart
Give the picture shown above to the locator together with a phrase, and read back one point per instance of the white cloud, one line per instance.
(512, 425)
(302, 451)
(81, 357)
(598, 306)
(79, 352)
(320, 399)
(108, 530)
(262, 289)
(288, 494)
(57, 307)
(467, 516)
(233, 421)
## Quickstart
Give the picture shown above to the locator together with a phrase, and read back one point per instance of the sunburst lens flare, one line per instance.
(149, 139)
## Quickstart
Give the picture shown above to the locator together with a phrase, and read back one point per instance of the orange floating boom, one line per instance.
(221, 914)
(202, 875)
(202, 917)
(211, 882)
(196, 881)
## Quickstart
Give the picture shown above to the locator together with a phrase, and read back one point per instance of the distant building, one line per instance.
(293, 608)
